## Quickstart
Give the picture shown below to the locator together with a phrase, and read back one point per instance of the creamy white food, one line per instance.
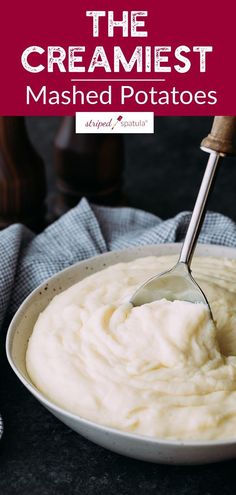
(162, 369)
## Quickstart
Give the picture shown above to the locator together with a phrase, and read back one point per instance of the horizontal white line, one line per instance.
(117, 80)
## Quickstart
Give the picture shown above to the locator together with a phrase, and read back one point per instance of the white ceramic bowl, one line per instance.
(136, 446)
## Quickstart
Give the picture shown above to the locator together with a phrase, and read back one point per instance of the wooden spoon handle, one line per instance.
(222, 137)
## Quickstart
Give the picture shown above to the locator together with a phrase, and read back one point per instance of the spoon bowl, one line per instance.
(177, 283)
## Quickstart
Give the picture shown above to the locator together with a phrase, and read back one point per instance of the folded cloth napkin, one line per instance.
(27, 260)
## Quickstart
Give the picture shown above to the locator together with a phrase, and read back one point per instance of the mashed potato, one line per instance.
(162, 369)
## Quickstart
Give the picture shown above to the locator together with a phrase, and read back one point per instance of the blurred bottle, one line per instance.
(89, 165)
(22, 177)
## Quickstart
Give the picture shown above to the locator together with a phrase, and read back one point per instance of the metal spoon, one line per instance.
(178, 283)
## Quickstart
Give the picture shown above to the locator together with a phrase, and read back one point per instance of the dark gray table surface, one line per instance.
(38, 454)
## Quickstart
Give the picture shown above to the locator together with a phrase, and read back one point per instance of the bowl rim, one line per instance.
(86, 422)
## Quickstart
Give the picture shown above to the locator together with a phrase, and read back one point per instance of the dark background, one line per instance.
(162, 171)
(38, 454)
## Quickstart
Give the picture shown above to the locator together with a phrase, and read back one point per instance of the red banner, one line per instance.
(174, 58)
